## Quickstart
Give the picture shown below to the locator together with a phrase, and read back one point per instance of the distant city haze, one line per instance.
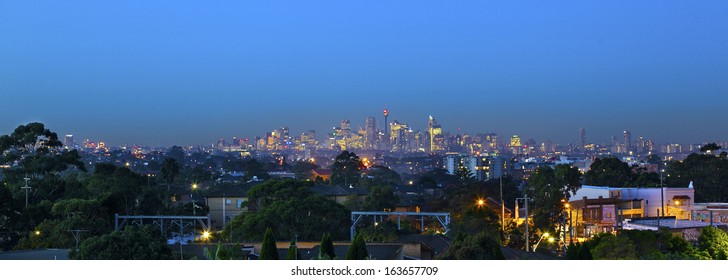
(168, 73)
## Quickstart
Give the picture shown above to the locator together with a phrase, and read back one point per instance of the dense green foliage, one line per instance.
(613, 172)
(293, 253)
(170, 170)
(708, 173)
(481, 246)
(380, 176)
(646, 245)
(346, 169)
(715, 242)
(608, 171)
(131, 243)
(290, 208)
(549, 188)
(379, 199)
(268, 250)
(326, 249)
(357, 249)
(63, 197)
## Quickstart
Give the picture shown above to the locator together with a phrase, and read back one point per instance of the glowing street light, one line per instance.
(545, 234)
(194, 186)
(37, 232)
(206, 235)
(481, 202)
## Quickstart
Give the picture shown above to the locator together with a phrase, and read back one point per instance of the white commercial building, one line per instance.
(666, 201)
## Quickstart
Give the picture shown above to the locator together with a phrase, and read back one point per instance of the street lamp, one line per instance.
(192, 198)
(545, 234)
(26, 188)
(480, 202)
(567, 213)
(525, 201)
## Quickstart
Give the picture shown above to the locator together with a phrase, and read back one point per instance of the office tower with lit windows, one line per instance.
(627, 141)
(515, 145)
(437, 140)
(386, 129)
(69, 142)
(371, 133)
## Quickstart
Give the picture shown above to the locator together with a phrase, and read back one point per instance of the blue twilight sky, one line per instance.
(188, 72)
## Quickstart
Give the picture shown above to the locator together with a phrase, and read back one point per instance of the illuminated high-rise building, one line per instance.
(69, 141)
(386, 128)
(371, 133)
(437, 140)
(516, 144)
(399, 136)
(627, 141)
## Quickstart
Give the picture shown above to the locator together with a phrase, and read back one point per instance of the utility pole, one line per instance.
(224, 219)
(503, 207)
(525, 198)
(26, 191)
(662, 195)
(525, 201)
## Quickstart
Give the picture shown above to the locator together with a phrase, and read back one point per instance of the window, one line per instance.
(228, 201)
(239, 203)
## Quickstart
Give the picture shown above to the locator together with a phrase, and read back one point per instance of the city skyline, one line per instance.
(582, 135)
(167, 74)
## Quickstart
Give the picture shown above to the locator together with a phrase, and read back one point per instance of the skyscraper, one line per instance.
(437, 140)
(69, 141)
(516, 145)
(627, 141)
(371, 133)
(386, 126)
(582, 138)
(346, 127)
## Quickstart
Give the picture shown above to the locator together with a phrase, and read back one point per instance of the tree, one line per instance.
(302, 169)
(326, 249)
(131, 243)
(708, 173)
(170, 170)
(572, 251)
(482, 246)
(550, 188)
(268, 250)
(176, 153)
(612, 247)
(608, 171)
(221, 253)
(293, 251)
(709, 148)
(463, 174)
(653, 159)
(714, 241)
(379, 175)
(253, 168)
(357, 249)
(290, 208)
(380, 198)
(345, 170)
